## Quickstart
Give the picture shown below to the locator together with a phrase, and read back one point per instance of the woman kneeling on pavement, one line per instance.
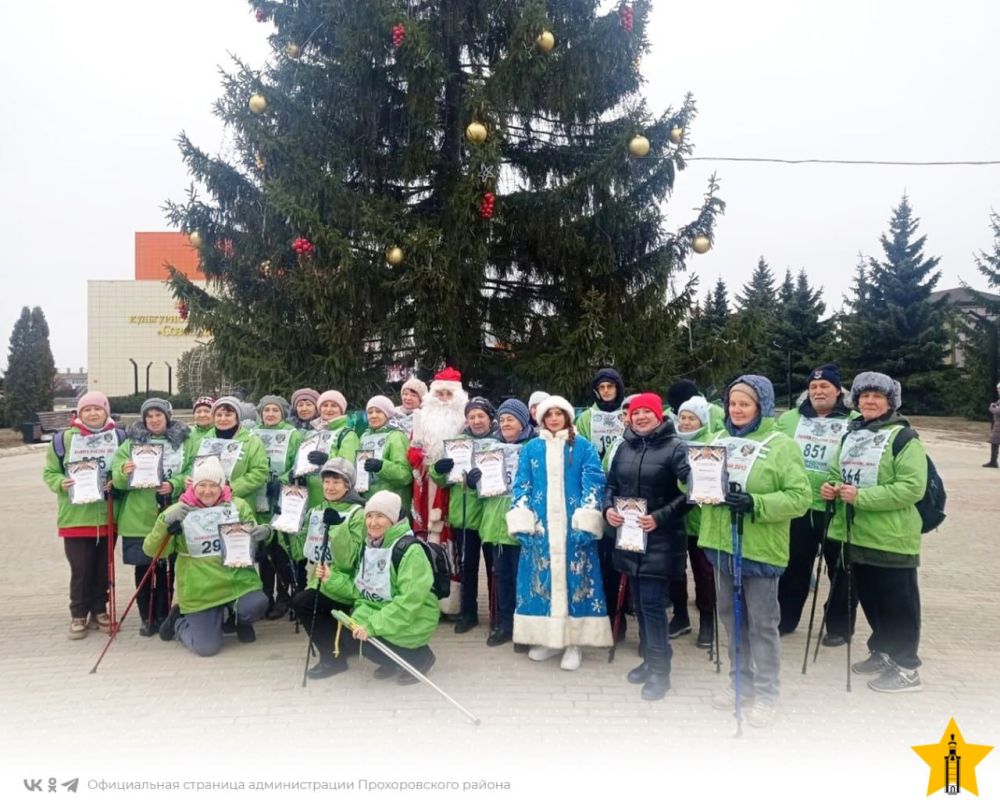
(648, 465)
(391, 591)
(878, 475)
(205, 583)
(771, 489)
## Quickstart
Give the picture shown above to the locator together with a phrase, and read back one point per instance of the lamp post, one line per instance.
(170, 378)
(135, 376)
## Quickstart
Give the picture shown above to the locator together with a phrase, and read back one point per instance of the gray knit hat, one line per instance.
(342, 467)
(233, 403)
(273, 400)
(156, 404)
(876, 382)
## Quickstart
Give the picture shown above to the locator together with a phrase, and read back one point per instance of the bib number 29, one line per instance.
(209, 547)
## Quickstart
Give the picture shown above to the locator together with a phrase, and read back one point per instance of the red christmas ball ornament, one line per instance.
(261, 15)
(487, 205)
(303, 247)
(627, 17)
(398, 35)
(182, 310)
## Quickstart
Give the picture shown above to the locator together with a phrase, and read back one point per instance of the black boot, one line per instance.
(680, 624)
(167, 628)
(640, 674)
(659, 678)
(466, 624)
(324, 669)
(706, 630)
(245, 632)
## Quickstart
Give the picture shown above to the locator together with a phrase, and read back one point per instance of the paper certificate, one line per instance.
(630, 536)
(320, 441)
(493, 482)
(460, 451)
(148, 472)
(293, 509)
(237, 544)
(709, 476)
(86, 487)
(362, 479)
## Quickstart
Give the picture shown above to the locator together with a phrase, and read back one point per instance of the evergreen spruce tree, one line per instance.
(981, 335)
(757, 318)
(897, 329)
(800, 329)
(531, 254)
(28, 383)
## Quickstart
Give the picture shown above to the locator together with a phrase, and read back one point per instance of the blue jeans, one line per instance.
(649, 596)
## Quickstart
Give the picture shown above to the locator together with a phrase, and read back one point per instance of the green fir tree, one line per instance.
(30, 378)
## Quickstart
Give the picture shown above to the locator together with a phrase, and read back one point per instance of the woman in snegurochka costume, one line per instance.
(556, 516)
(514, 430)
(388, 468)
(141, 507)
(202, 413)
(411, 395)
(346, 538)
(773, 489)
(83, 528)
(206, 586)
(303, 408)
(275, 558)
(879, 474)
(250, 469)
(344, 444)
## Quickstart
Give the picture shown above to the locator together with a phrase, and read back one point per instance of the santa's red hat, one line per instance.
(448, 378)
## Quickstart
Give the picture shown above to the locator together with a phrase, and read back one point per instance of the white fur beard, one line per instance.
(435, 421)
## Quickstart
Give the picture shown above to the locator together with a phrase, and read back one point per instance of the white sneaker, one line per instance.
(540, 652)
(571, 658)
(725, 700)
(761, 714)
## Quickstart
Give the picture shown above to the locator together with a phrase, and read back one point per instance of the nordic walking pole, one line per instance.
(849, 515)
(163, 502)
(827, 515)
(619, 610)
(340, 616)
(324, 556)
(736, 518)
(714, 652)
(117, 626)
(112, 607)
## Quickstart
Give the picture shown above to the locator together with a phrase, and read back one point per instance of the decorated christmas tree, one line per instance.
(460, 181)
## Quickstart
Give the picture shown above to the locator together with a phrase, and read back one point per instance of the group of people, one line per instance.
(534, 490)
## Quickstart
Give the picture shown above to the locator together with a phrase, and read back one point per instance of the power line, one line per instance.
(846, 161)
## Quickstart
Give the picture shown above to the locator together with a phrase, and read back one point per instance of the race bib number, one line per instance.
(373, 580)
(99, 447)
(276, 443)
(201, 530)
(374, 443)
(228, 451)
(605, 428)
(741, 455)
(173, 461)
(861, 455)
(817, 438)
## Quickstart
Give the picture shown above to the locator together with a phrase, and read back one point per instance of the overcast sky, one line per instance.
(95, 94)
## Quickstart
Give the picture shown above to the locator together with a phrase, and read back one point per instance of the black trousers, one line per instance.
(611, 579)
(88, 575)
(469, 546)
(416, 657)
(153, 599)
(323, 627)
(793, 587)
(891, 602)
(276, 571)
(704, 583)
(505, 558)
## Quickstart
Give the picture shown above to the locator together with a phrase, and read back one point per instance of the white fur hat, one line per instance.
(554, 401)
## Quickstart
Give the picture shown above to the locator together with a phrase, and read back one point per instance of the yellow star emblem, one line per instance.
(952, 761)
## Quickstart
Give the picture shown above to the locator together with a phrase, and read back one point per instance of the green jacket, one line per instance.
(788, 423)
(197, 434)
(139, 508)
(885, 515)
(91, 515)
(346, 540)
(275, 470)
(345, 445)
(781, 492)
(396, 474)
(249, 473)
(411, 617)
(473, 516)
(203, 583)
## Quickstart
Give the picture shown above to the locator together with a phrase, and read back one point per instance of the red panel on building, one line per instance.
(155, 249)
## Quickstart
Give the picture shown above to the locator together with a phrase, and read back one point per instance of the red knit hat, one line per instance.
(649, 401)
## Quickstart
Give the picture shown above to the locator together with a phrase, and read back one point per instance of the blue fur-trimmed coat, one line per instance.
(556, 517)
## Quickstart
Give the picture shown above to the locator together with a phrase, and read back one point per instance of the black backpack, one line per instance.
(436, 554)
(931, 505)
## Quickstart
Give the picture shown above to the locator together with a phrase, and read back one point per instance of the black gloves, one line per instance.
(300, 480)
(444, 465)
(273, 491)
(740, 502)
(473, 476)
(175, 528)
(332, 517)
(373, 465)
(317, 458)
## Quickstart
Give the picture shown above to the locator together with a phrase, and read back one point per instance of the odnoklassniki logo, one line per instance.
(952, 761)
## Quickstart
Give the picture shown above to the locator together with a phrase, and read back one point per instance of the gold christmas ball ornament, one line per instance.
(394, 256)
(195, 238)
(638, 146)
(265, 267)
(292, 50)
(260, 161)
(676, 134)
(701, 244)
(545, 41)
(476, 132)
(258, 103)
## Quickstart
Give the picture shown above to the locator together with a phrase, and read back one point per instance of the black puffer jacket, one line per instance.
(649, 467)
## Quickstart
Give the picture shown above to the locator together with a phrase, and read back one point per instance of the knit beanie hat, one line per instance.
(156, 404)
(827, 372)
(383, 404)
(698, 406)
(649, 401)
(93, 398)
(483, 404)
(204, 400)
(385, 503)
(746, 389)
(516, 409)
(208, 469)
(337, 397)
(232, 403)
(248, 412)
(342, 467)
(537, 397)
(416, 385)
(680, 392)
(273, 400)
(305, 394)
